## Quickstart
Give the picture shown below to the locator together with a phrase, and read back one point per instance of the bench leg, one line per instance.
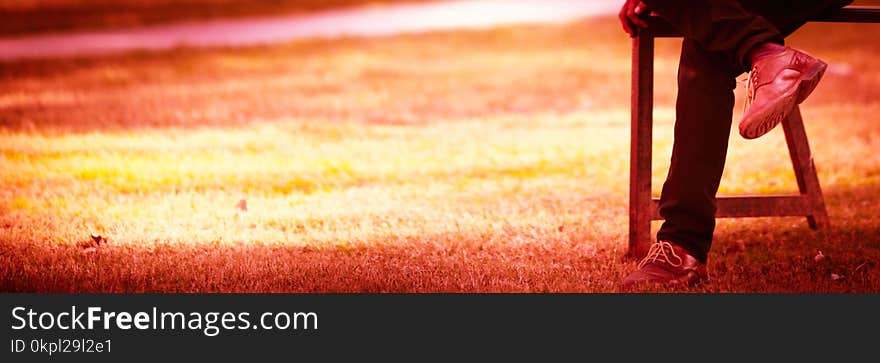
(640, 203)
(805, 169)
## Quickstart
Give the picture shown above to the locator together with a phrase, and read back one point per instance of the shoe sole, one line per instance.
(807, 83)
(810, 80)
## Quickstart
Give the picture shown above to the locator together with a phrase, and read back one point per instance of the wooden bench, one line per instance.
(643, 209)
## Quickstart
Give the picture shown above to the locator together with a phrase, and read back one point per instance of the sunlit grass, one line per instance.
(463, 161)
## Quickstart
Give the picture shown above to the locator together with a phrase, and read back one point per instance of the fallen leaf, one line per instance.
(95, 240)
(836, 277)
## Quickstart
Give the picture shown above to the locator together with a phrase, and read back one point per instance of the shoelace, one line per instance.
(661, 251)
(752, 85)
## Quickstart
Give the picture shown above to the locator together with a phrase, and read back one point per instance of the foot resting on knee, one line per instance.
(777, 83)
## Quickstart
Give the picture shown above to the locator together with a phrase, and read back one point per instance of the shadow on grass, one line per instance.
(781, 253)
(448, 262)
(779, 256)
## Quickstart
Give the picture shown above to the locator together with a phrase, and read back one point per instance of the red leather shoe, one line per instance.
(776, 85)
(668, 264)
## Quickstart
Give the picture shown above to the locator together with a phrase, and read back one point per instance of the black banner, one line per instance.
(229, 327)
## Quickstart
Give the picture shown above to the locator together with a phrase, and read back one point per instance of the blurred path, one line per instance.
(364, 21)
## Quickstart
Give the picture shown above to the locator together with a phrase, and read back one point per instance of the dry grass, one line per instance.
(34, 16)
(462, 161)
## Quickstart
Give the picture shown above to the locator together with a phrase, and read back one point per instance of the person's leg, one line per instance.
(780, 78)
(704, 112)
(735, 27)
(787, 16)
(718, 26)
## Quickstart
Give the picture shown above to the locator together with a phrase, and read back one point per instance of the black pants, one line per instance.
(718, 34)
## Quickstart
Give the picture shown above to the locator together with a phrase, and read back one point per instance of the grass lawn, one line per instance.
(466, 161)
(33, 16)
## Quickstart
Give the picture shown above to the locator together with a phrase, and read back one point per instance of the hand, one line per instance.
(630, 17)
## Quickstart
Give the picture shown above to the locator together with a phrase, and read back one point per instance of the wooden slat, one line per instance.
(640, 145)
(755, 206)
(659, 28)
(853, 14)
(805, 169)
